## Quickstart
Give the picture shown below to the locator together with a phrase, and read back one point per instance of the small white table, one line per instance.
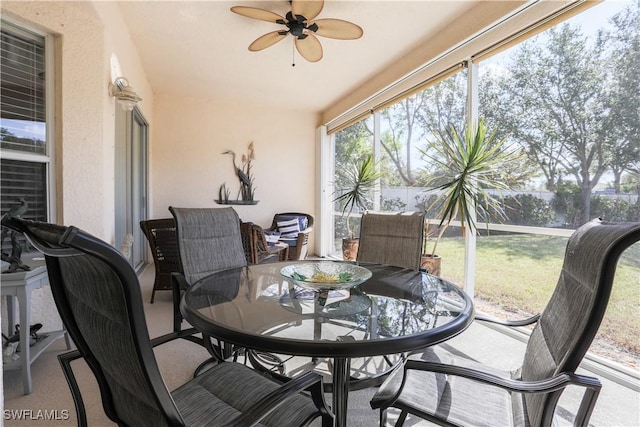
(19, 285)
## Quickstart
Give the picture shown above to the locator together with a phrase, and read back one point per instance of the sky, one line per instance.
(598, 16)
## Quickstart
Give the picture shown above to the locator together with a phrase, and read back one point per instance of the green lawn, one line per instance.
(519, 272)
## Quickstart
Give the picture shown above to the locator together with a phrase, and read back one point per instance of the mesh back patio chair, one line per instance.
(161, 235)
(98, 296)
(454, 390)
(209, 240)
(391, 238)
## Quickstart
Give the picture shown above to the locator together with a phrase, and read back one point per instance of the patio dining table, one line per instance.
(395, 311)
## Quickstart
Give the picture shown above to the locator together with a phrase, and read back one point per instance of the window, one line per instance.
(564, 93)
(352, 144)
(394, 134)
(564, 97)
(25, 128)
(559, 91)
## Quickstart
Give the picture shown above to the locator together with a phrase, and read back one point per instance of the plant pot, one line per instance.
(350, 249)
(431, 264)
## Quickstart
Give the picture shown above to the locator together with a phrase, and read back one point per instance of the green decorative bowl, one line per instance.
(325, 275)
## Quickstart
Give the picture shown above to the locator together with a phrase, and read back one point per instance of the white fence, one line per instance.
(410, 195)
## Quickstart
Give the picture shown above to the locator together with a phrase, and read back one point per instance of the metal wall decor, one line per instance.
(246, 193)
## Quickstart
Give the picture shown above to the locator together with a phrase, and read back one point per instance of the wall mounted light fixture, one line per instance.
(124, 93)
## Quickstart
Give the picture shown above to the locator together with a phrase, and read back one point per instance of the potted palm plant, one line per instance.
(358, 179)
(468, 162)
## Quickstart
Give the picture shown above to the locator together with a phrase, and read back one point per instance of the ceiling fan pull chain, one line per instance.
(293, 54)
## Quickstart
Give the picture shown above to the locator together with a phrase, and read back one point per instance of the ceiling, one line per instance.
(200, 48)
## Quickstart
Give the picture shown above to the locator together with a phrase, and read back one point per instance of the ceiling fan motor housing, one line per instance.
(297, 24)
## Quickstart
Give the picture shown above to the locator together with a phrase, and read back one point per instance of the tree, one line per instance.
(402, 119)
(413, 119)
(623, 98)
(351, 144)
(555, 107)
(496, 104)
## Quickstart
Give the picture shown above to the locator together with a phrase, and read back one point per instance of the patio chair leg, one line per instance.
(177, 316)
(401, 419)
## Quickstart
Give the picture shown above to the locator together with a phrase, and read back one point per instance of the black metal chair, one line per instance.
(393, 238)
(450, 389)
(390, 238)
(98, 296)
(161, 235)
(209, 240)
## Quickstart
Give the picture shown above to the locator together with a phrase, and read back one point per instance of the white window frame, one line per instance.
(49, 157)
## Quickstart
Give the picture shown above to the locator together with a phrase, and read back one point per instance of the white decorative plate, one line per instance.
(326, 275)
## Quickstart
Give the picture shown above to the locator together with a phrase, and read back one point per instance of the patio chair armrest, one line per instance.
(511, 323)
(178, 280)
(547, 385)
(65, 360)
(266, 405)
(303, 236)
(184, 334)
(558, 382)
(307, 230)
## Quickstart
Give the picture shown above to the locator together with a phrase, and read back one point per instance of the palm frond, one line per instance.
(360, 177)
(466, 160)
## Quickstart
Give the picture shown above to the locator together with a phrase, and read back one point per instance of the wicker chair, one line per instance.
(391, 238)
(299, 246)
(98, 296)
(447, 388)
(161, 235)
(255, 245)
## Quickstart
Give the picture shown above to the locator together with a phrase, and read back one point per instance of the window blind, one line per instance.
(22, 98)
(397, 98)
(24, 166)
(27, 180)
(24, 179)
(532, 30)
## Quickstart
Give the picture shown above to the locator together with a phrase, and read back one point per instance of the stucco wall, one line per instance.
(120, 58)
(87, 36)
(187, 164)
(79, 124)
(86, 39)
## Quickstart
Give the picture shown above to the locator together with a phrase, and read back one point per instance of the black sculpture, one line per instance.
(15, 263)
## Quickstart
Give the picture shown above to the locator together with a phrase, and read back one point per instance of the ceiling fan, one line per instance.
(300, 22)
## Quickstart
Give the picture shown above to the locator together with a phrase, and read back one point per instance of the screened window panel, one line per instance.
(22, 98)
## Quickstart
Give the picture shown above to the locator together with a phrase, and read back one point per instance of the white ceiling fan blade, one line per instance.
(266, 40)
(307, 8)
(338, 29)
(255, 13)
(310, 48)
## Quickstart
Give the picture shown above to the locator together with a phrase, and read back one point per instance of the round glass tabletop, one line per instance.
(394, 311)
